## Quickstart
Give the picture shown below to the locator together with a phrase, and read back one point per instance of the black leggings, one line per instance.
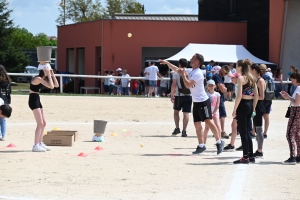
(243, 116)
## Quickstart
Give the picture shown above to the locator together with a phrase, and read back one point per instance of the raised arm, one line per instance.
(170, 65)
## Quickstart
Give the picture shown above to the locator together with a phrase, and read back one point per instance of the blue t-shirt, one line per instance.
(209, 68)
(218, 79)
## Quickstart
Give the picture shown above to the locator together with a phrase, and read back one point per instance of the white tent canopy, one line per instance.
(217, 52)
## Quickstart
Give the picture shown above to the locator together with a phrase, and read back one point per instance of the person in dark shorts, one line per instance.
(267, 103)
(222, 90)
(180, 101)
(194, 80)
(45, 78)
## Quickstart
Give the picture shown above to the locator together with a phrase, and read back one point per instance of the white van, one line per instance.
(28, 70)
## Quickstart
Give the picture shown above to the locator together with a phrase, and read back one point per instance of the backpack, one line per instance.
(183, 89)
(5, 91)
(270, 88)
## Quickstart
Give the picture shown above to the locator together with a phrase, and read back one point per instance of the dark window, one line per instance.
(232, 7)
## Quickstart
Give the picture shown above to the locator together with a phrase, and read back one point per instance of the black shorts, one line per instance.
(202, 111)
(146, 83)
(229, 87)
(268, 104)
(34, 101)
(184, 103)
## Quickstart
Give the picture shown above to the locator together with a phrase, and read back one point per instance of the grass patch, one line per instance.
(20, 86)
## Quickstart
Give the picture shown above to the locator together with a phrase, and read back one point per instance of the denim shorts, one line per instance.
(152, 83)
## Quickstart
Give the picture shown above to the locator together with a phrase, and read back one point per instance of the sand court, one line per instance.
(163, 167)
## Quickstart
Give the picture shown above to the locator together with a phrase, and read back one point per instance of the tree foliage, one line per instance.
(81, 11)
(88, 10)
(11, 56)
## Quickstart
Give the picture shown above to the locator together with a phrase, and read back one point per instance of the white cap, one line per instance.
(211, 82)
(269, 69)
(119, 69)
(44, 66)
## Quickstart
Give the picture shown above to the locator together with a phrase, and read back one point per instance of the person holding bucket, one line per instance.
(45, 78)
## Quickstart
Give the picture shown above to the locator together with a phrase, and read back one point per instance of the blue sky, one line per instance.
(38, 16)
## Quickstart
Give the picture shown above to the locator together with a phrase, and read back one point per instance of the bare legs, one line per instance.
(216, 122)
(267, 123)
(41, 124)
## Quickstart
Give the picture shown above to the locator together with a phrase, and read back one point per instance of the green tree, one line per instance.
(22, 38)
(11, 56)
(80, 11)
(132, 6)
(123, 6)
(113, 6)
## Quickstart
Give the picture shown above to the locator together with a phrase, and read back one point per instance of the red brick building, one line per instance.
(85, 48)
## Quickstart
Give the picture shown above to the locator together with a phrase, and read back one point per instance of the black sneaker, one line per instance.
(183, 134)
(229, 147)
(265, 136)
(242, 161)
(220, 147)
(199, 150)
(239, 148)
(176, 131)
(252, 159)
(290, 161)
(298, 159)
(257, 154)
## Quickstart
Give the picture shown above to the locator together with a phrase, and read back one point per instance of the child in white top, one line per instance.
(215, 103)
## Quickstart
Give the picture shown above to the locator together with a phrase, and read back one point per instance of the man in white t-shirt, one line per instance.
(125, 82)
(153, 73)
(216, 68)
(194, 80)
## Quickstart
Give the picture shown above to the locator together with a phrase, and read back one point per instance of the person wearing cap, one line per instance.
(269, 73)
(222, 90)
(194, 80)
(214, 98)
(267, 103)
(209, 68)
(45, 78)
(180, 101)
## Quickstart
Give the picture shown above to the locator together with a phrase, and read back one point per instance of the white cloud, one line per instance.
(168, 10)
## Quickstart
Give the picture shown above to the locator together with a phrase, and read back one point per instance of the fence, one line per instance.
(97, 76)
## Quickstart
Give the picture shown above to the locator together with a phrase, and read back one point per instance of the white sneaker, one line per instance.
(37, 148)
(2, 139)
(156, 96)
(98, 139)
(42, 145)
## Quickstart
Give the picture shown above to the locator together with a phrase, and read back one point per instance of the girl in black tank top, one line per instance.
(260, 110)
(45, 78)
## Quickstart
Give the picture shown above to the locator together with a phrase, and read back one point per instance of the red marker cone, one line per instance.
(98, 148)
(82, 154)
(11, 145)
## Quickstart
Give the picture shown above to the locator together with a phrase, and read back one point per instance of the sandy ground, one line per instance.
(163, 168)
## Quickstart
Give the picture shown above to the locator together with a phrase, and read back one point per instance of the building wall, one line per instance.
(276, 25)
(118, 50)
(255, 12)
(291, 47)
